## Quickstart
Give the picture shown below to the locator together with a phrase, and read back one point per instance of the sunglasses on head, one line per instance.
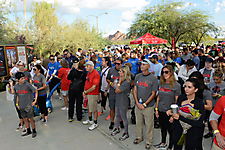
(117, 63)
(166, 72)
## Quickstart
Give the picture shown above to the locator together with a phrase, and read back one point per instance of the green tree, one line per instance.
(168, 19)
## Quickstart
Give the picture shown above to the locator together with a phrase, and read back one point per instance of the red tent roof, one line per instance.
(149, 39)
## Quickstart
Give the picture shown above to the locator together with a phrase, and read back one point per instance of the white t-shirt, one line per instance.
(14, 70)
(104, 83)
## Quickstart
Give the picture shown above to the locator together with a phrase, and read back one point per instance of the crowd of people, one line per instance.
(152, 78)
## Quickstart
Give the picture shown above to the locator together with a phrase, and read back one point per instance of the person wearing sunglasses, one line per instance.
(169, 90)
(112, 79)
(33, 63)
(69, 57)
(53, 68)
(217, 88)
(40, 82)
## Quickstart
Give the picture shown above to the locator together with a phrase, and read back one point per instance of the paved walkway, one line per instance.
(59, 134)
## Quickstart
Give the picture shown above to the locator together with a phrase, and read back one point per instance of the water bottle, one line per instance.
(85, 102)
(115, 83)
(140, 101)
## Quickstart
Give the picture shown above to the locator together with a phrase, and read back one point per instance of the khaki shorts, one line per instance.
(92, 102)
(64, 93)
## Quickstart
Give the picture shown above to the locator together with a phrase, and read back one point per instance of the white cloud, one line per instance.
(219, 6)
(184, 6)
(206, 1)
(208, 4)
(195, 4)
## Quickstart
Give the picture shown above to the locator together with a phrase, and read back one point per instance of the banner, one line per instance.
(3, 70)
(173, 43)
(22, 55)
(11, 56)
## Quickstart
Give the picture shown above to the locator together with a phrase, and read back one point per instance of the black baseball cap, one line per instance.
(75, 60)
(209, 60)
(19, 75)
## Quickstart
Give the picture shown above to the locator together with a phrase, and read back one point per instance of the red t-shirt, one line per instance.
(63, 72)
(219, 109)
(92, 79)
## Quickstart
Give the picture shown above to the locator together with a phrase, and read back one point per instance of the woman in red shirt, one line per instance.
(65, 83)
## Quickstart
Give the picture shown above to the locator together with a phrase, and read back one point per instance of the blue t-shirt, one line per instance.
(112, 64)
(99, 60)
(134, 63)
(146, 56)
(178, 60)
(51, 67)
(197, 62)
(160, 61)
(156, 68)
(98, 68)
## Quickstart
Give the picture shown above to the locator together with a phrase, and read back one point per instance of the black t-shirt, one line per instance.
(214, 52)
(202, 61)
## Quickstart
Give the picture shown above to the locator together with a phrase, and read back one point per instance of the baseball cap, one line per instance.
(154, 56)
(100, 53)
(75, 60)
(20, 61)
(38, 61)
(19, 75)
(209, 60)
(146, 61)
(89, 63)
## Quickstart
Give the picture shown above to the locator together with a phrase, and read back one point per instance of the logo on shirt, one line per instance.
(21, 91)
(36, 81)
(206, 75)
(140, 83)
(26, 78)
(216, 89)
(164, 89)
(115, 77)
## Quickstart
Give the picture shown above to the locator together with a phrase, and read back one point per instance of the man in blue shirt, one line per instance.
(156, 67)
(134, 62)
(147, 53)
(196, 58)
(69, 57)
(100, 55)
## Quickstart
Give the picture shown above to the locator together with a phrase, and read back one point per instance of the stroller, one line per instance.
(48, 101)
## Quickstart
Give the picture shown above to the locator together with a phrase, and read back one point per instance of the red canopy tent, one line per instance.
(149, 39)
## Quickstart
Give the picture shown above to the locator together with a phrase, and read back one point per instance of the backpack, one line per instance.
(77, 84)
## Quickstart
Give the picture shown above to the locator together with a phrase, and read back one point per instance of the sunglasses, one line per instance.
(117, 63)
(34, 58)
(166, 72)
(59, 58)
(34, 69)
(52, 59)
(20, 65)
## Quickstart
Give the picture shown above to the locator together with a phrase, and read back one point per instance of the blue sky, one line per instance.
(121, 13)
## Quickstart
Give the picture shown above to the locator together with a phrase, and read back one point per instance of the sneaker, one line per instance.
(121, 125)
(88, 122)
(44, 122)
(19, 128)
(60, 98)
(124, 137)
(107, 117)
(26, 134)
(34, 135)
(111, 126)
(78, 121)
(64, 108)
(160, 146)
(115, 131)
(93, 126)
(25, 130)
(70, 119)
(100, 113)
(40, 120)
(57, 94)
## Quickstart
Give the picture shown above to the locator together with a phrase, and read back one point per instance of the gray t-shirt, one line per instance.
(186, 57)
(220, 89)
(206, 75)
(167, 95)
(206, 96)
(25, 93)
(145, 85)
(122, 101)
(112, 75)
(39, 81)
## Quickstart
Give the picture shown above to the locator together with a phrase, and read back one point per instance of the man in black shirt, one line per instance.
(202, 58)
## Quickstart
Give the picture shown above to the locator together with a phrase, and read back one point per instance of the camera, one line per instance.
(7, 81)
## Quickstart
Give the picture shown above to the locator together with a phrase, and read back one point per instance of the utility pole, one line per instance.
(24, 5)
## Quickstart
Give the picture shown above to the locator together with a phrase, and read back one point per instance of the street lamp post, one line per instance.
(97, 18)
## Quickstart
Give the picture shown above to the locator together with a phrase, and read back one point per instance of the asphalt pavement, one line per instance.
(60, 134)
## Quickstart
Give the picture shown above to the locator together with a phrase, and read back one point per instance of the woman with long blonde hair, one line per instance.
(169, 90)
(122, 101)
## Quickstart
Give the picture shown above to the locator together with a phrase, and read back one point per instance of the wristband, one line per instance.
(144, 104)
(156, 109)
(18, 104)
(118, 84)
(216, 131)
(110, 83)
